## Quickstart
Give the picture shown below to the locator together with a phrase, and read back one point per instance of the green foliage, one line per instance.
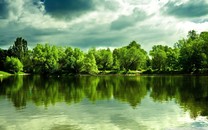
(131, 57)
(159, 57)
(164, 58)
(74, 60)
(13, 65)
(104, 58)
(28, 63)
(189, 55)
(45, 59)
(90, 64)
(3, 55)
(194, 52)
(19, 49)
(192, 35)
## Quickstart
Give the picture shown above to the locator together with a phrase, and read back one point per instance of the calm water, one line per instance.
(103, 103)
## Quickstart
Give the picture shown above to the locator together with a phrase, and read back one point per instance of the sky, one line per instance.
(100, 23)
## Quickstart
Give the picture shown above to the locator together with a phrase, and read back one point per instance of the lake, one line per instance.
(104, 102)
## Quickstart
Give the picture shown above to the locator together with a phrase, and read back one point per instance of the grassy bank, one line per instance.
(2, 73)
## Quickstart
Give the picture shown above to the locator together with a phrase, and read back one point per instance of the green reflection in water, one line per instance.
(190, 92)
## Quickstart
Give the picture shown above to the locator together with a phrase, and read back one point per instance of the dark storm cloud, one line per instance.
(67, 8)
(3, 9)
(192, 8)
(200, 20)
(127, 21)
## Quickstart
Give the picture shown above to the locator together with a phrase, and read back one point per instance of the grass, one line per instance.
(2, 73)
(118, 72)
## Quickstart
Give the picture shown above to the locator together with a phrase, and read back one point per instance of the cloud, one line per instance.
(95, 23)
(3, 9)
(190, 9)
(125, 21)
(67, 8)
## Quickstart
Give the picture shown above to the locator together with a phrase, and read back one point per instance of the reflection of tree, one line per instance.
(193, 95)
(45, 91)
(130, 89)
(164, 88)
(188, 91)
(13, 90)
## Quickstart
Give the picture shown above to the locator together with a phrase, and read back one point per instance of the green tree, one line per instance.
(204, 37)
(104, 59)
(173, 59)
(164, 58)
(159, 58)
(192, 35)
(45, 59)
(90, 64)
(78, 62)
(13, 65)
(19, 48)
(3, 55)
(74, 60)
(131, 57)
(193, 52)
(116, 64)
(28, 63)
(61, 59)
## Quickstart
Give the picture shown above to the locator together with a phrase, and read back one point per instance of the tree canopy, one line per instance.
(188, 55)
(13, 65)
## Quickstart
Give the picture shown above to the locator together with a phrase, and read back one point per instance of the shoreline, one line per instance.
(121, 73)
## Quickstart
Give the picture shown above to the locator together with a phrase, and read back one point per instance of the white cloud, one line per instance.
(30, 21)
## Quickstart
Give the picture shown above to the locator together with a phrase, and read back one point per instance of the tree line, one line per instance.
(188, 55)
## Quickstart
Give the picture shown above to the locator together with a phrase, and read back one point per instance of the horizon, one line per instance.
(100, 24)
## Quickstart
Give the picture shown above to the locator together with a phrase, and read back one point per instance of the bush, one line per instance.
(13, 65)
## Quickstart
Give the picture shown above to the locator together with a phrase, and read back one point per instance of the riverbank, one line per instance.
(109, 73)
(3, 73)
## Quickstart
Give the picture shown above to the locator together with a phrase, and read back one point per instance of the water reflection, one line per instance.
(190, 92)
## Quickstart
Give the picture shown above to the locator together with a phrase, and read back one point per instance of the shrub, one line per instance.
(13, 65)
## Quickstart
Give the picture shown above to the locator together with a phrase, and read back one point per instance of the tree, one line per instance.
(192, 35)
(78, 65)
(131, 57)
(74, 60)
(159, 57)
(103, 57)
(3, 55)
(19, 48)
(204, 36)
(45, 59)
(28, 62)
(90, 64)
(193, 52)
(164, 58)
(116, 64)
(13, 65)
(173, 59)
